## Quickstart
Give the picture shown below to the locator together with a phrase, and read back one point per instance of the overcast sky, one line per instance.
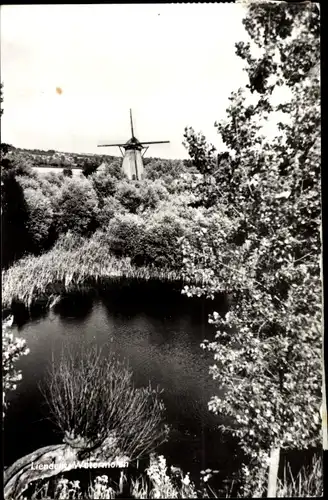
(174, 65)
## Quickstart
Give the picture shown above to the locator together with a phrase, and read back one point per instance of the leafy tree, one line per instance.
(104, 184)
(55, 180)
(160, 242)
(76, 207)
(40, 218)
(129, 194)
(164, 170)
(140, 195)
(114, 168)
(67, 172)
(15, 240)
(110, 207)
(124, 235)
(266, 254)
(90, 167)
(200, 151)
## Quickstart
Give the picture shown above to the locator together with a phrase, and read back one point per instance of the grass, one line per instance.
(63, 270)
(158, 483)
(92, 397)
(307, 484)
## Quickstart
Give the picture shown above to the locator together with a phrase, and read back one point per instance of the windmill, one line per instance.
(132, 164)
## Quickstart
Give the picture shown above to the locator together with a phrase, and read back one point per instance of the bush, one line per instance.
(76, 207)
(104, 184)
(124, 235)
(164, 170)
(54, 179)
(110, 207)
(40, 218)
(139, 195)
(15, 241)
(159, 244)
(90, 167)
(114, 168)
(67, 172)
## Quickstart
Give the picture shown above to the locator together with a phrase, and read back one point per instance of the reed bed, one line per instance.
(65, 270)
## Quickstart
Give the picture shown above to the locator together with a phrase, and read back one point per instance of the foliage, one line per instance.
(160, 241)
(266, 254)
(40, 218)
(92, 398)
(140, 195)
(124, 234)
(129, 195)
(12, 350)
(15, 241)
(111, 206)
(114, 168)
(54, 179)
(271, 27)
(90, 166)
(67, 172)
(164, 170)
(69, 241)
(104, 184)
(76, 207)
(199, 151)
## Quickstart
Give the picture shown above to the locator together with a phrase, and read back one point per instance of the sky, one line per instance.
(71, 73)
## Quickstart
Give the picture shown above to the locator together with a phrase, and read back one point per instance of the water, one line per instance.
(159, 331)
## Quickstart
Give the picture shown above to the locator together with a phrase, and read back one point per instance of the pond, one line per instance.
(159, 332)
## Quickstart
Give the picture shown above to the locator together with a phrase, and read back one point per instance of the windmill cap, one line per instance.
(133, 142)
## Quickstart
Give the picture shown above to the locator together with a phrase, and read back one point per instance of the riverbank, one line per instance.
(46, 277)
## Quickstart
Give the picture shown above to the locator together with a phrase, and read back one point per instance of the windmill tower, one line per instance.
(132, 164)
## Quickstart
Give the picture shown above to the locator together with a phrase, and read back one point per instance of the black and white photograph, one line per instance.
(161, 251)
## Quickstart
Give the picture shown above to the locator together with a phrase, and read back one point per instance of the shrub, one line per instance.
(139, 195)
(110, 207)
(114, 168)
(54, 179)
(124, 234)
(164, 170)
(67, 172)
(89, 168)
(40, 218)
(76, 207)
(129, 195)
(104, 184)
(159, 243)
(15, 241)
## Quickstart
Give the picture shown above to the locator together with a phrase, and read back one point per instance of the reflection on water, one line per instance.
(159, 332)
